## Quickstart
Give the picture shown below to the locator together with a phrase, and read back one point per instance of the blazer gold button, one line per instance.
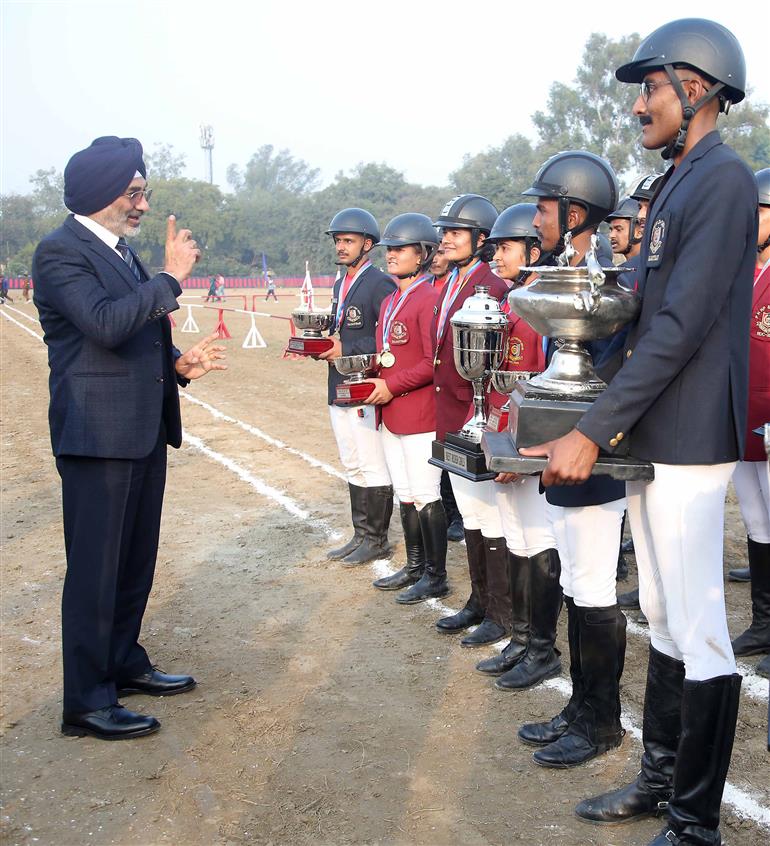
(613, 442)
(438, 361)
(620, 436)
(628, 353)
(437, 388)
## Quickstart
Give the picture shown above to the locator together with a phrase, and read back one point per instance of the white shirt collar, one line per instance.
(101, 233)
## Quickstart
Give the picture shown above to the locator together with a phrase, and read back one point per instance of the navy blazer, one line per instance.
(681, 394)
(359, 317)
(109, 348)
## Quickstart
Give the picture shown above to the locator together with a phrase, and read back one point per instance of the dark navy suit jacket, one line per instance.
(359, 317)
(110, 353)
(681, 395)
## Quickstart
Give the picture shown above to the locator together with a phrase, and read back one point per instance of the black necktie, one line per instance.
(128, 258)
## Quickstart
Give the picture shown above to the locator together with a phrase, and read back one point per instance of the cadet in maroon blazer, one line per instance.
(407, 409)
(465, 223)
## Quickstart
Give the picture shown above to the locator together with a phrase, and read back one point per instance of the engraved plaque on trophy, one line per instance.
(479, 333)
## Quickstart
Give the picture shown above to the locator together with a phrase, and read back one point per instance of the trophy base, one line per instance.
(538, 416)
(462, 457)
(353, 393)
(309, 346)
(503, 457)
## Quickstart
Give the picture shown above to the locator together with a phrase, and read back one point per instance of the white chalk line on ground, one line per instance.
(20, 325)
(21, 313)
(268, 439)
(740, 800)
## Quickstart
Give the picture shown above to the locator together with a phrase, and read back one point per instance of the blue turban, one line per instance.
(95, 177)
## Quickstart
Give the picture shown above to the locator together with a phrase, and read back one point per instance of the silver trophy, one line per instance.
(312, 323)
(572, 305)
(479, 334)
(357, 368)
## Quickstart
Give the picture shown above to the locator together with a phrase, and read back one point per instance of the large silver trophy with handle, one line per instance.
(479, 334)
(572, 305)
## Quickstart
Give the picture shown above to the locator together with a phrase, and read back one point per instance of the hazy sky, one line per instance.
(415, 85)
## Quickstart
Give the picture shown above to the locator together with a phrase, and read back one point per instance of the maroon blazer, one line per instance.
(413, 408)
(759, 366)
(454, 395)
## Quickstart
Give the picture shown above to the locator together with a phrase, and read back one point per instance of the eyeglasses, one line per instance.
(139, 195)
(647, 89)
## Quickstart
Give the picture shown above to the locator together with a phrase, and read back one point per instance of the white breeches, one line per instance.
(522, 507)
(414, 480)
(751, 481)
(477, 503)
(677, 522)
(588, 540)
(359, 445)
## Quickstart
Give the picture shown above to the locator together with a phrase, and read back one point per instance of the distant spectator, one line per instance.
(25, 287)
(220, 288)
(4, 295)
(212, 294)
(270, 287)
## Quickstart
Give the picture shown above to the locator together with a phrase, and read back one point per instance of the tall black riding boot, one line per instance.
(756, 638)
(497, 620)
(649, 794)
(433, 584)
(473, 611)
(541, 660)
(415, 552)
(709, 715)
(379, 508)
(358, 516)
(454, 519)
(596, 727)
(518, 580)
(541, 734)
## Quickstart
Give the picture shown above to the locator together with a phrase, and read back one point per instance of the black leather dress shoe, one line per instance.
(155, 683)
(111, 723)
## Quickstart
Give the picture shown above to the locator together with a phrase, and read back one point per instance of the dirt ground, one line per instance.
(324, 712)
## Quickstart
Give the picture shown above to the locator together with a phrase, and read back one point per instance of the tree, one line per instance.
(274, 172)
(164, 163)
(499, 173)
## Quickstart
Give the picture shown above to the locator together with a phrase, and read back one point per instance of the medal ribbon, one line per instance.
(345, 290)
(452, 291)
(394, 306)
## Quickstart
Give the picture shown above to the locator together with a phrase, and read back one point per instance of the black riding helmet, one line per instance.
(645, 190)
(577, 176)
(415, 229)
(469, 211)
(706, 47)
(357, 221)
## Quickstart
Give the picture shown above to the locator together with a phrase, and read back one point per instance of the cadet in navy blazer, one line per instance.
(114, 407)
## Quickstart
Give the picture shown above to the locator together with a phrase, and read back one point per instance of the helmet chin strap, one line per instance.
(764, 245)
(564, 204)
(689, 110)
(474, 250)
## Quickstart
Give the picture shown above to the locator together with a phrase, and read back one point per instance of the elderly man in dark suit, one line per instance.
(114, 408)
(680, 397)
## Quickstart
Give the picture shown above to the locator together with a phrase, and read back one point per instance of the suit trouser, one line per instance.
(359, 445)
(414, 480)
(112, 511)
(588, 538)
(751, 481)
(677, 521)
(523, 514)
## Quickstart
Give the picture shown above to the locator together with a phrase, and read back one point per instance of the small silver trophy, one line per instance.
(312, 323)
(354, 390)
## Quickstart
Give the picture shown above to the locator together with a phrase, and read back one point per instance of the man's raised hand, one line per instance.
(181, 251)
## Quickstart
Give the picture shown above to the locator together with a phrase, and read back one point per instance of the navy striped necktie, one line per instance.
(128, 258)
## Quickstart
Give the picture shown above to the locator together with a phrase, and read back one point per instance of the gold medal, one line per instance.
(387, 359)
